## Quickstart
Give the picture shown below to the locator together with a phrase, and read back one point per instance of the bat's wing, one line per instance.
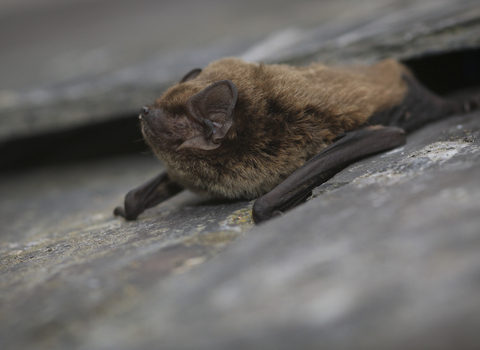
(350, 148)
(148, 195)
(420, 106)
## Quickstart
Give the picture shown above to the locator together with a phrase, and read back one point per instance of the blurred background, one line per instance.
(74, 72)
(47, 42)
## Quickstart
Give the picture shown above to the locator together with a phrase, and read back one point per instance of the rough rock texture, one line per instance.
(387, 257)
(65, 260)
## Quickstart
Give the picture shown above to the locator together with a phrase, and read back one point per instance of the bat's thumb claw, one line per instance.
(125, 213)
(119, 211)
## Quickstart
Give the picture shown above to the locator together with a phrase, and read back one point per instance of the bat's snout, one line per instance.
(144, 112)
(154, 119)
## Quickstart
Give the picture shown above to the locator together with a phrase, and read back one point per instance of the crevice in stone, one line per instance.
(448, 72)
(99, 140)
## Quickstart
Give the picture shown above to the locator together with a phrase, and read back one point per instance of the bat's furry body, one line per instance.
(238, 129)
(283, 116)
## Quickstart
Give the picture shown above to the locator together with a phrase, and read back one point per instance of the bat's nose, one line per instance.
(144, 112)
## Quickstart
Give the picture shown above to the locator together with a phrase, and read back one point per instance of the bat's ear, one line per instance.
(213, 108)
(191, 75)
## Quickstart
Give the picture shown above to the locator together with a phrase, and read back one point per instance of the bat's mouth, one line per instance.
(158, 132)
(148, 135)
(146, 131)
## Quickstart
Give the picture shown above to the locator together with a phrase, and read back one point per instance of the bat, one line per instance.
(241, 130)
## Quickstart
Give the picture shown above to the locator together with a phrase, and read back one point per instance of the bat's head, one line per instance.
(182, 119)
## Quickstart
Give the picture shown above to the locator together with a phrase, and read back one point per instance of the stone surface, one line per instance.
(64, 258)
(385, 256)
(388, 260)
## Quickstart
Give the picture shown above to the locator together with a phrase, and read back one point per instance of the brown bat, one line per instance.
(243, 130)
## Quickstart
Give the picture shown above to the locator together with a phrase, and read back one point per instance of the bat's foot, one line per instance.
(261, 212)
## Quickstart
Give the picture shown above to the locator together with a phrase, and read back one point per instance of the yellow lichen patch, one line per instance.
(241, 218)
(235, 224)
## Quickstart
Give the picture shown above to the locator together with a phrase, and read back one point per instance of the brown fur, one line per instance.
(283, 116)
